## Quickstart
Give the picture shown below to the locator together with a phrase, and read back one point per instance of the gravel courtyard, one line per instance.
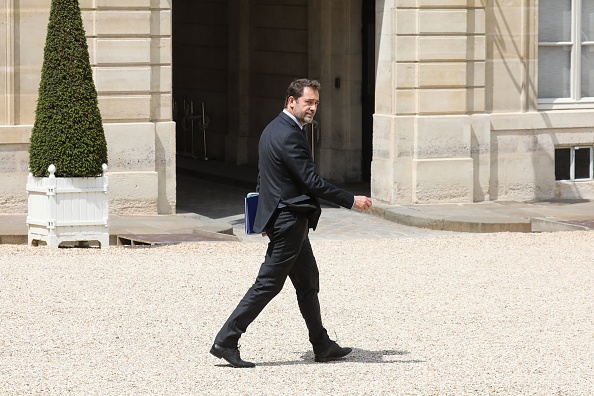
(509, 314)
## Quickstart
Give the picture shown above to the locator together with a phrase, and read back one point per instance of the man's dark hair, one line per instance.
(296, 88)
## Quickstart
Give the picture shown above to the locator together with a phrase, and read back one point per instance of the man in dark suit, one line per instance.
(288, 206)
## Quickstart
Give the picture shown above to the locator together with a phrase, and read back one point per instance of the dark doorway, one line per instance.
(368, 89)
(200, 37)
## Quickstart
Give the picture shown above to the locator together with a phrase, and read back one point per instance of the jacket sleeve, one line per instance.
(297, 157)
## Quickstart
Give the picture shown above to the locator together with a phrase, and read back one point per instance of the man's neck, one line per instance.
(287, 112)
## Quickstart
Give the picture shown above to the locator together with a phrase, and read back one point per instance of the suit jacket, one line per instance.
(287, 175)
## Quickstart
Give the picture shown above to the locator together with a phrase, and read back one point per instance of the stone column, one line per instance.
(6, 62)
(238, 149)
(130, 47)
(431, 79)
(335, 60)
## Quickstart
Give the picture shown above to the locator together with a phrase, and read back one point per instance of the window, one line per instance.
(574, 163)
(566, 53)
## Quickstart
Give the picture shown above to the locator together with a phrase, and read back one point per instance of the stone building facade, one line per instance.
(130, 51)
(442, 100)
(463, 113)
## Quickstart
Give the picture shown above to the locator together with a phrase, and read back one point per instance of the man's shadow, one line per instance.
(358, 355)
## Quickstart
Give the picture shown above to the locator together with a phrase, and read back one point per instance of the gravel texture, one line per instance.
(509, 314)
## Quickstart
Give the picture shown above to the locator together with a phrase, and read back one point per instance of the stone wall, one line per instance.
(335, 50)
(457, 116)
(431, 79)
(130, 51)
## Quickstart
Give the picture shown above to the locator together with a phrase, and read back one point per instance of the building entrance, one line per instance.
(232, 62)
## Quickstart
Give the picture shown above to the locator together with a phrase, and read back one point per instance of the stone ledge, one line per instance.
(458, 223)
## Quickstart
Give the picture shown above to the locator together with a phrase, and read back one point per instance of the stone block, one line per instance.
(406, 48)
(477, 21)
(86, 4)
(88, 18)
(406, 75)
(161, 80)
(13, 195)
(507, 41)
(406, 101)
(406, 20)
(161, 23)
(442, 137)
(506, 90)
(28, 80)
(574, 190)
(131, 147)
(558, 120)
(161, 4)
(477, 48)
(387, 48)
(30, 29)
(123, 23)
(114, 4)
(14, 158)
(15, 134)
(524, 176)
(403, 181)
(572, 138)
(505, 143)
(447, 48)
(92, 44)
(442, 101)
(406, 3)
(443, 180)
(480, 151)
(133, 192)
(25, 110)
(476, 74)
(443, 74)
(382, 181)
(161, 50)
(123, 50)
(125, 108)
(443, 22)
(404, 136)
(165, 166)
(442, 3)
(161, 107)
(475, 101)
(4, 108)
(382, 136)
(477, 3)
(123, 79)
(384, 88)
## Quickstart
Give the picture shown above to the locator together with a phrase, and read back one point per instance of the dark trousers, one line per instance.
(289, 254)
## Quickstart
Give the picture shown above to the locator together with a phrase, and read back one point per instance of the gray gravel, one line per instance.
(448, 315)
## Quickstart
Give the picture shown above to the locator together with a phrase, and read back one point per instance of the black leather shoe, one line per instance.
(231, 355)
(334, 352)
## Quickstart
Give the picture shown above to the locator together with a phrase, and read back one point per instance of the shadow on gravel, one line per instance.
(358, 355)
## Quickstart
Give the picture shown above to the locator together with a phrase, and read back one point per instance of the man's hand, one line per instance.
(362, 203)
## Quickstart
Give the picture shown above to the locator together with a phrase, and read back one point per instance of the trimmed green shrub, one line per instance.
(68, 130)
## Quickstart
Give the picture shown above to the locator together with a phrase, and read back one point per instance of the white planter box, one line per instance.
(67, 209)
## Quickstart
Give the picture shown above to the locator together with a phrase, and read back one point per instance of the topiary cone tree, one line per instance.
(68, 130)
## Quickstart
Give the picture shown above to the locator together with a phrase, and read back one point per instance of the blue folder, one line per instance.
(251, 205)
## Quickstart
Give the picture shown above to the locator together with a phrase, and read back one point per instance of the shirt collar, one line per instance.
(293, 117)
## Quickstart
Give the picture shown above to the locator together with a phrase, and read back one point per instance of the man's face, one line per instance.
(304, 108)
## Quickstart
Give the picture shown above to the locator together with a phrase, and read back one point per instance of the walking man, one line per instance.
(288, 206)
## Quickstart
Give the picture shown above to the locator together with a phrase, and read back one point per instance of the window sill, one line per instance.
(564, 104)
(574, 181)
